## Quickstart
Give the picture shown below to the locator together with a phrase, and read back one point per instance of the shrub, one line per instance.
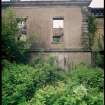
(20, 82)
(47, 95)
(12, 48)
(61, 95)
(44, 84)
(99, 60)
(91, 77)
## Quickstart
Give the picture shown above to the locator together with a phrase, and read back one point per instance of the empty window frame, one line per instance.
(21, 22)
(58, 29)
(22, 25)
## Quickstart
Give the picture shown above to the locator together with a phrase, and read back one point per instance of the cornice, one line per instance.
(46, 3)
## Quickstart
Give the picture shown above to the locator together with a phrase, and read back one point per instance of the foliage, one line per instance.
(61, 95)
(90, 77)
(99, 59)
(45, 84)
(21, 81)
(42, 82)
(91, 29)
(95, 41)
(47, 95)
(12, 49)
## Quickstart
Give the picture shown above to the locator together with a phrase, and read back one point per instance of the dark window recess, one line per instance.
(58, 18)
(24, 30)
(56, 39)
(98, 12)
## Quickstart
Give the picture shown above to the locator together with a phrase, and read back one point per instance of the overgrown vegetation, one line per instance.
(99, 59)
(12, 48)
(42, 82)
(45, 84)
(92, 30)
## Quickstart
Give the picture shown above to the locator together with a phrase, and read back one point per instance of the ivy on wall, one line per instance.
(95, 42)
(91, 30)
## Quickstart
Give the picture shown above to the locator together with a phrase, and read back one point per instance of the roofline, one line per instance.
(46, 3)
(96, 8)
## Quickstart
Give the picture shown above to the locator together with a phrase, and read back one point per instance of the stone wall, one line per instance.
(39, 28)
(39, 24)
(66, 59)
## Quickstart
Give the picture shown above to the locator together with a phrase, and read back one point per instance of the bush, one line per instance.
(12, 49)
(61, 95)
(20, 82)
(90, 77)
(44, 84)
(99, 60)
(47, 95)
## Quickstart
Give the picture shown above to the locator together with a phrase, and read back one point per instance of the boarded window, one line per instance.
(58, 29)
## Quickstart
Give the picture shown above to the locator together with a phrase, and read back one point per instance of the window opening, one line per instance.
(58, 29)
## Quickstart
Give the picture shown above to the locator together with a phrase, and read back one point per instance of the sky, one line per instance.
(97, 3)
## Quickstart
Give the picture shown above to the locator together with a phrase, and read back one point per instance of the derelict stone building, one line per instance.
(59, 28)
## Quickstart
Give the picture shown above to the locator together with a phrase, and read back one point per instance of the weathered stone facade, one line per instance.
(39, 24)
(67, 59)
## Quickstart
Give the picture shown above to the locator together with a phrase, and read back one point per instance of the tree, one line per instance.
(12, 49)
